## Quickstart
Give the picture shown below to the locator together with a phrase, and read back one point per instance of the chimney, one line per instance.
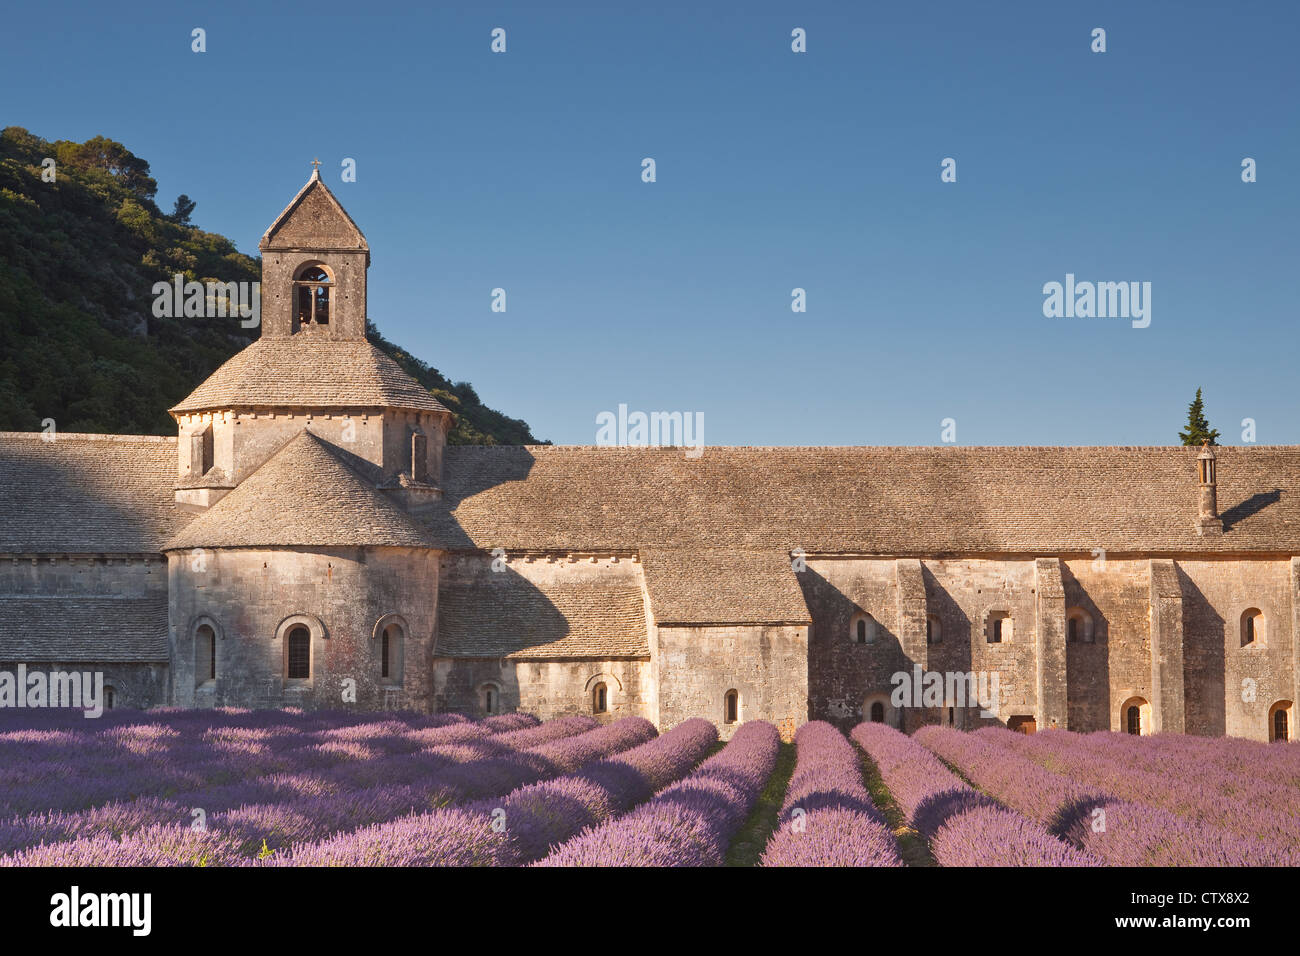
(1208, 521)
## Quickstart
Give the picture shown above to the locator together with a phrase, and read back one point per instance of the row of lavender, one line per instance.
(1117, 812)
(69, 766)
(829, 818)
(1158, 795)
(963, 826)
(457, 762)
(404, 790)
(690, 823)
(528, 822)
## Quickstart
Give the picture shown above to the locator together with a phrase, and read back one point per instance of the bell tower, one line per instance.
(314, 262)
(312, 370)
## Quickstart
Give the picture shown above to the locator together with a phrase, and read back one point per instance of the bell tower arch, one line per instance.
(314, 262)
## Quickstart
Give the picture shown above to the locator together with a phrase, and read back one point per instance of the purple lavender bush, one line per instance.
(523, 825)
(690, 823)
(828, 818)
(351, 793)
(1166, 818)
(963, 827)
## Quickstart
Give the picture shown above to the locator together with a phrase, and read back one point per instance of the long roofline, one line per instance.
(894, 448)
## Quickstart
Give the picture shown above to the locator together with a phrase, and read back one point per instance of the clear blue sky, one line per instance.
(775, 170)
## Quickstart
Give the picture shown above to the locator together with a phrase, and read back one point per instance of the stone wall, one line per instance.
(347, 292)
(252, 597)
(766, 665)
(135, 684)
(843, 675)
(1115, 665)
(111, 575)
(1231, 687)
(960, 599)
(548, 689)
(376, 443)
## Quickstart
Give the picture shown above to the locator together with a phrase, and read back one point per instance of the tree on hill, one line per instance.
(1198, 431)
(183, 209)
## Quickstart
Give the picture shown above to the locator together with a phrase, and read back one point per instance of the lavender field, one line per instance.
(283, 788)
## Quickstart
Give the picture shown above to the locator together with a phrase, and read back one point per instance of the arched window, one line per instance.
(1279, 721)
(489, 696)
(205, 654)
(600, 699)
(110, 697)
(1078, 626)
(877, 713)
(298, 654)
(1252, 628)
(1135, 716)
(392, 646)
(999, 627)
(864, 629)
(731, 706)
(312, 293)
(933, 630)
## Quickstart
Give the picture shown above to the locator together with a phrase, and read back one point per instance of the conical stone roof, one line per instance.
(308, 371)
(303, 496)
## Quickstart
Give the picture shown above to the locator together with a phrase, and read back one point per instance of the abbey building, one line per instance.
(310, 539)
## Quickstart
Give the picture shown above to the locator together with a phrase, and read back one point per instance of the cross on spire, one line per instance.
(315, 165)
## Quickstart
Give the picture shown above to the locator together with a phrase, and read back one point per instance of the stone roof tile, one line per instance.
(303, 496)
(310, 370)
(87, 494)
(72, 628)
(864, 500)
(723, 587)
(506, 616)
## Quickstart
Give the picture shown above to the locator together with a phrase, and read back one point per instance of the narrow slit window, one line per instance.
(299, 654)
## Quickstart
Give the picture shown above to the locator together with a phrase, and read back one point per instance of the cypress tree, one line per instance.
(1198, 429)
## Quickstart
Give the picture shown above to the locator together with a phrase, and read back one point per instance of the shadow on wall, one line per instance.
(1087, 663)
(951, 651)
(496, 613)
(850, 682)
(1204, 663)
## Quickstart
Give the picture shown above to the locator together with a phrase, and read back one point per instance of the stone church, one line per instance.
(310, 539)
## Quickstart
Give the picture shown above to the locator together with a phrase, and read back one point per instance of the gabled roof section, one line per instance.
(723, 587)
(314, 219)
(303, 496)
(87, 494)
(505, 616)
(72, 628)
(304, 371)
